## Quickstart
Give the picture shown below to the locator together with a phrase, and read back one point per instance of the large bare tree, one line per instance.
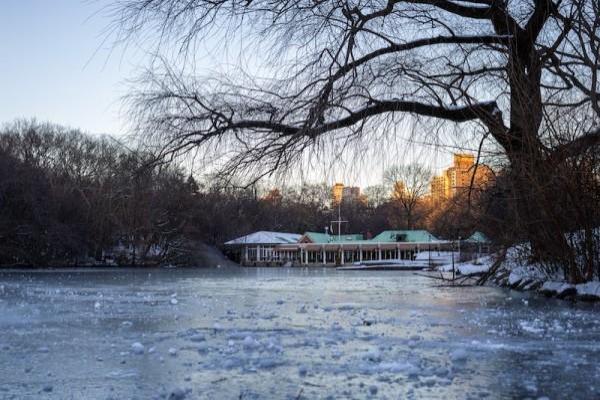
(503, 68)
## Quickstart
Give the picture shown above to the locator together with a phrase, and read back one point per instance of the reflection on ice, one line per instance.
(266, 333)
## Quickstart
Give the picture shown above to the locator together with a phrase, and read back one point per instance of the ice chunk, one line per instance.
(172, 351)
(269, 362)
(398, 367)
(137, 348)
(174, 301)
(202, 347)
(179, 393)
(250, 343)
(302, 370)
(348, 306)
(197, 338)
(459, 355)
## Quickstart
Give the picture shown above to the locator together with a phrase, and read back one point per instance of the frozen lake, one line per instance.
(283, 333)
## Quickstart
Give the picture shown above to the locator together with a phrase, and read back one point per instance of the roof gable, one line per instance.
(317, 237)
(266, 237)
(421, 236)
(478, 237)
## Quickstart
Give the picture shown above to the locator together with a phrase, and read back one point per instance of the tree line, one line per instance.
(70, 198)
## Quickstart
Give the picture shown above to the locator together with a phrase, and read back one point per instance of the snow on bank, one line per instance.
(514, 273)
(478, 266)
(589, 290)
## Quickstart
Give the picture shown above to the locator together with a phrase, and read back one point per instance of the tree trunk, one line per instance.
(538, 194)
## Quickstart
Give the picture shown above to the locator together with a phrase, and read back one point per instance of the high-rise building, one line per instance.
(337, 193)
(351, 193)
(459, 177)
(438, 189)
(341, 193)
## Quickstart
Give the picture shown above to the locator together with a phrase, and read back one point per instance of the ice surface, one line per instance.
(230, 336)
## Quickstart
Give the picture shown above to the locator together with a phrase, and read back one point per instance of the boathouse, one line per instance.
(313, 248)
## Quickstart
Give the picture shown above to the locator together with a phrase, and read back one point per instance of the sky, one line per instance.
(55, 65)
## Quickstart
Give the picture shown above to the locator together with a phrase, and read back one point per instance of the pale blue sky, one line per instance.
(54, 67)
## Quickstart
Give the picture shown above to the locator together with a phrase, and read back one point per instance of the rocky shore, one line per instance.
(513, 273)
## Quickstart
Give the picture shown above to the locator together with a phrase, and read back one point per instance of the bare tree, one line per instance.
(408, 183)
(502, 68)
(377, 195)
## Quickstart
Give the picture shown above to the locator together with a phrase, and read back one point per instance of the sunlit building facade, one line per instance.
(337, 193)
(459, 177)
(341, 193)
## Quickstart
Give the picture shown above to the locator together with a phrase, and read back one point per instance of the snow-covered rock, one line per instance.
(470, 267)
(558, 289)
(588, 291)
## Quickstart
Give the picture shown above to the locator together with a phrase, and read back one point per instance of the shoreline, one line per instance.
(516, 275)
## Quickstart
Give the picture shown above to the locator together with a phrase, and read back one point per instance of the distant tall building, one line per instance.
(351, 193)
(337, 193)
(341, 193)
(459, 177)
(438, 188)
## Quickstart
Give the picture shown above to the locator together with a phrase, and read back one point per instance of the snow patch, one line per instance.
(470, 267)
(591, 289)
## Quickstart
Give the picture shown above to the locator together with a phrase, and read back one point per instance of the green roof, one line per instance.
(478, 237)
(317, 237)
(421, 236)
